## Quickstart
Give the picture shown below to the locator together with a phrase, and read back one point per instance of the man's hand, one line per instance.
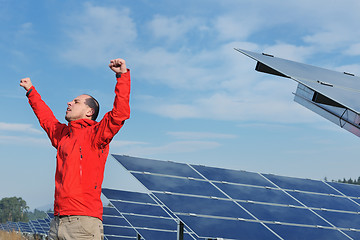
(26, 83)
(118, 65)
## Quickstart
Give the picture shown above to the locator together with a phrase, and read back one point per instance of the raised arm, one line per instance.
(46, 118)
(114, 120)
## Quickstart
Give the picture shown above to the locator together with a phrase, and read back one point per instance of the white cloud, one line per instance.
(236, 27)
(118, 143)
(171, 148)
(97, 33)
(353, 50)
(19, 127)
(351, 68)
(25, 30)
(330, 39)
(222, 106)
(290, 51)
(24, 141)
(201, 135)
(215, 83)
(173, 28)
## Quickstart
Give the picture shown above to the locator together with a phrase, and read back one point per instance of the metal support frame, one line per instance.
(180, 230)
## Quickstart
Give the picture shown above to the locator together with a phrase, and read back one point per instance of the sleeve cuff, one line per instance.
(29, 91)
(118, 75)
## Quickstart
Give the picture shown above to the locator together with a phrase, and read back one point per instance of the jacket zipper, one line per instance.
(81, 158)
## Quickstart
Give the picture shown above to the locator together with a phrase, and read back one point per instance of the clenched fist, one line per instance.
(26, 83)
(118, 65)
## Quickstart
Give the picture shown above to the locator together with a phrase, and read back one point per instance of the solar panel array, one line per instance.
(216, 203)
(222, 203)
(39, 226)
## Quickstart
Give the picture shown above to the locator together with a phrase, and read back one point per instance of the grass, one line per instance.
(11, 235)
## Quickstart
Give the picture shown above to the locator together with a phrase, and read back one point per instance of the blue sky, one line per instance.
(194, 98)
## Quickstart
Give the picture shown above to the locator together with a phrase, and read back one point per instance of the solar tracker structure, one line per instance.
(333, 95)
(141, 215)
(222, 203)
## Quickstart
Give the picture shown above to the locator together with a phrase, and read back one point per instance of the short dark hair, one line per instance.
(93, 104)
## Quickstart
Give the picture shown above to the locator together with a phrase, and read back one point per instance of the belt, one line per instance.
(63, 216)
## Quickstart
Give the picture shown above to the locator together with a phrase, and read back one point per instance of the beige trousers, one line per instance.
(76, 227)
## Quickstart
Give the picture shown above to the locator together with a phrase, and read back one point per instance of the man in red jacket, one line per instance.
(82, 148)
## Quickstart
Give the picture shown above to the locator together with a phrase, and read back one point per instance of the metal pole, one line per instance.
(180, 230)
(138, 237)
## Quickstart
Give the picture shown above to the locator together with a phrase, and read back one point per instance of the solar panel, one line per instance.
(116, 227)
(12, 226)
(37, 226)
(45, 225)
(25, 227)
(50, 215)
(331, 94)
(145, 215)
(230, 204)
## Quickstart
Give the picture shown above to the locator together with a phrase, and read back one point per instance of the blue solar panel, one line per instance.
(341, 219)
(206, 227)
(116, 226)
(12, 226)
(119, 238)
(179, 185)
(145, 215)
(118, 231)
(202, 206)
(289, 232)
(25, 227)
(307, 185)
(346, 189)
(45, 224)
(50, 215)
(232, 176)
(124, 207)
(37, 227)
(258, 194)
(223, 203)
(326, 202)
(284, 214)
(155, 166)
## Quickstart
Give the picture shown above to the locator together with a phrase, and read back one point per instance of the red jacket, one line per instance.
(82, 149)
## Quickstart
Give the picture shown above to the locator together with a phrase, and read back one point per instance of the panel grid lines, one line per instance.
(257, 202)
(266, 222)
(237, 203)
(284, 206)
(341, 195)
(144, 217)
(313, 211)
(344, 195)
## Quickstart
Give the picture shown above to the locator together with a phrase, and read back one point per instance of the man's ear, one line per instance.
(90, 112)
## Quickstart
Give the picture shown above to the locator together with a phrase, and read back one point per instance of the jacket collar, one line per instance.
(81, 123)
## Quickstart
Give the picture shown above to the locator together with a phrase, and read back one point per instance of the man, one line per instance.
(82, 148)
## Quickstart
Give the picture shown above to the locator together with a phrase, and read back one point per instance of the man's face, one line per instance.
(78, 109)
